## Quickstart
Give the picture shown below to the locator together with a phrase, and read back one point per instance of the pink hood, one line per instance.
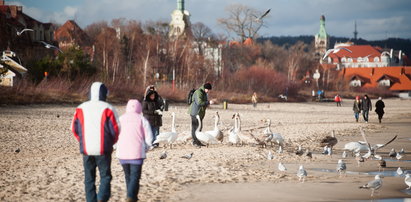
(134, 106)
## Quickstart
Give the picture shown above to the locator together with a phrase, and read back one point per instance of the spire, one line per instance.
(180, 5)
(322, 33)
(355, 30)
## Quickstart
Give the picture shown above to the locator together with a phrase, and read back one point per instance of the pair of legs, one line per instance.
(103, 163)
(194, 126)
(132, 173)
(155, 130)
(356, 115)
(365, 115)
(380, 117)
(338, 104)
(254, 104)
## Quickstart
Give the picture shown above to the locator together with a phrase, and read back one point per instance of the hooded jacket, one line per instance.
(95, 123)
(136, 135)
(149, 108)
(199, 103)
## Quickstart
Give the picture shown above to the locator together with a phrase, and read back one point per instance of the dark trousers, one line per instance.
(156, 131)
(380, 116)
(132, 174)
(194, 126)
(103, 163)
(365, 115)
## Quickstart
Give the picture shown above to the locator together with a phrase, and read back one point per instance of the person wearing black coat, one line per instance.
(379, 108)
(366, 106)
(152, 111)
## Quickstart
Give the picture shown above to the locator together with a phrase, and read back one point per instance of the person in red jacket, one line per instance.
(95, 126)
(338, 100)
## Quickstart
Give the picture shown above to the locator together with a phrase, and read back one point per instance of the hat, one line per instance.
(208, 86)
(357, 98)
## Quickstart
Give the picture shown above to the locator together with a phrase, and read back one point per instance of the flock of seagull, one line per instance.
(239, 137)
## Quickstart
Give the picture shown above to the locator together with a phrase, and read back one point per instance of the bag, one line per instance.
(190, 96)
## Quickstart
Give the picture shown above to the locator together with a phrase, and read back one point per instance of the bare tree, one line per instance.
(243, 21)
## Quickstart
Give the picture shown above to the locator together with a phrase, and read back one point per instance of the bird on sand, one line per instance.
(301, 174)
(382, 164)
(299, 151)
(407, 180)
(163, 155)
(24, 30)
(398, 156)
(341, 167)
(328, 143)
(50, 46)
(17, 150)
(335, 50)
(344, 154)
(188, 156)
(392, 153)
(400, 171)
(281, 167)
(373, 185)
(270, 156)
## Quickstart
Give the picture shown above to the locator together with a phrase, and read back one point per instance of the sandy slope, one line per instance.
(49, 168)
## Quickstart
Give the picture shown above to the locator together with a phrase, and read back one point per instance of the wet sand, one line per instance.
(48, 166)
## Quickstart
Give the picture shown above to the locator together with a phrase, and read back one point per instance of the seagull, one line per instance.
(373, 185)
(335, 50)
(407, 180)
(402, 151)
(309, 154)
(21, 32)
(163, 155)
(399, 171)
(188, 156)
(50, 46)
(258, 19)
(299, 151)
(301, 173)
(382, 164)
(281, 167)
(392, 153)
(270, 156)
(398, 156)
(344, 154)
(372, 150)
(341, 167)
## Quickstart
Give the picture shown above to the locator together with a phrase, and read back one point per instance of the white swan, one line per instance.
(275, 138)
(245, 137)
(216, 133)
(168, 137)
(204, 138)
(232, 133)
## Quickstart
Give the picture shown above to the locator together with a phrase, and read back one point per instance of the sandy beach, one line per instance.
(40, 158)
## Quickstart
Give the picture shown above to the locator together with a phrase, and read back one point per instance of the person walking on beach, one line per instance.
(338, 100)
(134, 141)
(366, 106)
(153, 111)
(357, 108)
(95, 126)
(254, 99)
(198, 106)
(379, 108)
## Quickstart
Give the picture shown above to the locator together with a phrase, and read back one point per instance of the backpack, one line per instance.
(190, 96)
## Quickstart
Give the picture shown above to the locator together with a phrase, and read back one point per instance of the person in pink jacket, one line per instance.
(134, 140)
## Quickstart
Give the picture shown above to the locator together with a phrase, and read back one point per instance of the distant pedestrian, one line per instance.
(379, 108)
(254, 99)
(338, 100)
(357, 108)
(134, 141)
(366, 106)
(95, 126)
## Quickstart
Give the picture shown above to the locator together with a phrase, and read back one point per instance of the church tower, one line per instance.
(322, 40)
(180, 22)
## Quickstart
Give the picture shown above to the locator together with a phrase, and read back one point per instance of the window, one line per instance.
(344, 59)
(355, 83)
(350, 60)
(384, 82)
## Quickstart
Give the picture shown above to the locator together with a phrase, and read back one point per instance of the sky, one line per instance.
(375, 19)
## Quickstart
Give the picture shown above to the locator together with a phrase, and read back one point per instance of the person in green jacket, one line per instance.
(198, 106)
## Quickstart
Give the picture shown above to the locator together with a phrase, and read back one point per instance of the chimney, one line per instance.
(372, 71)
(391, 53)
(13, 11)
(2, 3)
(19, 9)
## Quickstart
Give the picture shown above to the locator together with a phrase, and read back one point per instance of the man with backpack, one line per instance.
(198, 105)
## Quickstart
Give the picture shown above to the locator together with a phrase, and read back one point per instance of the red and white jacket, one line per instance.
(95, 124)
